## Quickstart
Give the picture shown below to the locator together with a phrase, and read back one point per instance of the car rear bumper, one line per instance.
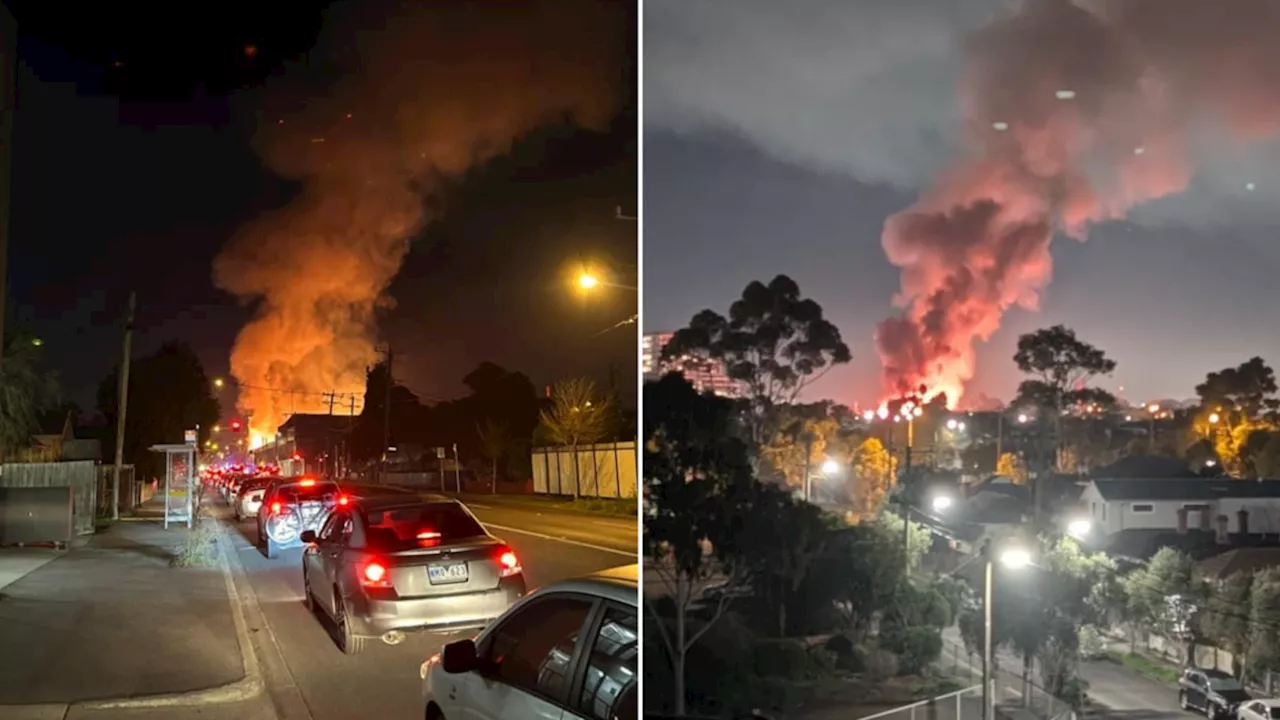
(468, 611)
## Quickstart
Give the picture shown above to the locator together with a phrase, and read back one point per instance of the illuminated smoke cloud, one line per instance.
(430, 94)
(1077, 112)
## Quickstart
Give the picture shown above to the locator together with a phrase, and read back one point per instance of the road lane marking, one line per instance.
(579, 543)
(478, 505)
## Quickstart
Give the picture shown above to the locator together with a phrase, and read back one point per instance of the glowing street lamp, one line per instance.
(830, 467)
(586, 281)
(219, 383)
(1022, 418)
(869, 415)
(882, 413)
(942, 502)
(1214, 418)
(1079, 528)
(1015, 558)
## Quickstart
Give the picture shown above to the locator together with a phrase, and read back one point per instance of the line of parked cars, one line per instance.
(380, 563)
(1220, 696)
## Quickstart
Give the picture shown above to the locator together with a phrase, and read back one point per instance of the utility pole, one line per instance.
(808, 454)
(333, 397)
(122, 407)
(386, 416)
(999, 436)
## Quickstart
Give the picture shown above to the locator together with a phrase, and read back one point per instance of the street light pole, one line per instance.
(988, 706)
(808, 455)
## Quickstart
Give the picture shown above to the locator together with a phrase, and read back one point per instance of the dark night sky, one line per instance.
(778, 140)
(133, 177)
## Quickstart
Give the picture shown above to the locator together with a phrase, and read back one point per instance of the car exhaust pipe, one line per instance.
(393, 637)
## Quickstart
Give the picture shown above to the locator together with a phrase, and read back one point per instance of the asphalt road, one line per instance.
(383, 680)
(1126, 693)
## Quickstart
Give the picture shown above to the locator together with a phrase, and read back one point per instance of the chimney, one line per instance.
(1206, 518)
(1222, 530)
(1182, 521)
(1242, 518)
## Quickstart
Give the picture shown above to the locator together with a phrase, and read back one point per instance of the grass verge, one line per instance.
(625, 507)
(1145, 665)
(199, 548)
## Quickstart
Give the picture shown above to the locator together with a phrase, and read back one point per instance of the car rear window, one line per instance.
(1221, 684)
(408, 527)
(305, 493)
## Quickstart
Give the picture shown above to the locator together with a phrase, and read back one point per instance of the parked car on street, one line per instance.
(293, 506)
(579, 634)
(248, 498)
(1265, 709)
(1213, 692)
(387, 564)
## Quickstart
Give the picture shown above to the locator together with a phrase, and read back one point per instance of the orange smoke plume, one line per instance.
(436, 90)
(1077, 112)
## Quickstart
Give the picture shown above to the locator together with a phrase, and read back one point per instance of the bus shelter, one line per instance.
(179, 483)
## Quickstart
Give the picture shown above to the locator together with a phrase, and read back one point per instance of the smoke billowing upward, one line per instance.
(434, 91)
(1077, 112)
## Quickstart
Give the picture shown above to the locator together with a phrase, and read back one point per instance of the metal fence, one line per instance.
(78, 475)
(963, 704)
(1011, 689)
(605, 470)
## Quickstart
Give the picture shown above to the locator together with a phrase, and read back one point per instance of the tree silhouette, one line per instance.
(576, 417)
(774, 342)
(26, 391)
(169, 393)
(700, 491)
(495, 443)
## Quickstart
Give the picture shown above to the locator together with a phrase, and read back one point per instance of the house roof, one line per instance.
(1184, 488)
(1146, 466)
(1231, 562)
(305, 424)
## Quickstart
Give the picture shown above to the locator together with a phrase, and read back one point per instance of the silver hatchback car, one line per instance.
(385, 565)
(569, 650)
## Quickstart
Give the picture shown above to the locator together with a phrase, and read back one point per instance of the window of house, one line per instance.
(1143, 508)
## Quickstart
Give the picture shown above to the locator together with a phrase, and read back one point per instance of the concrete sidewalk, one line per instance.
(18, 562)
(113, 619)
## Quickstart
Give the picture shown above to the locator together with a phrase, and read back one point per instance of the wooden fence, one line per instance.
(603, 470)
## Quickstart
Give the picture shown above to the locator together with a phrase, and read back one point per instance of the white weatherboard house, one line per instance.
(1178, 504)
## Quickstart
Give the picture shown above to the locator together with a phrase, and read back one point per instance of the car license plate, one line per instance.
(445, 574)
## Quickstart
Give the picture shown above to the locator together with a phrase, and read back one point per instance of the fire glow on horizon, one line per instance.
(1078, 112)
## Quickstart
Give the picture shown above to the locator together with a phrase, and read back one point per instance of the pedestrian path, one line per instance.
(113, 619)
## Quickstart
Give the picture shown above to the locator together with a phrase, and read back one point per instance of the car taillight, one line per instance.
(508, 563)
(308, 482)
(428, 535)
(275, 508)
(374, 575)
(343, 500)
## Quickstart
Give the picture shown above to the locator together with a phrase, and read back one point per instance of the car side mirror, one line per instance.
(308, 536)
(459, 657)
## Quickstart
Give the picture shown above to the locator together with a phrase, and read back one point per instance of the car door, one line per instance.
(317, 558)
(532, 654)
(1253, 711)
(1197, 691)
(605, 682)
